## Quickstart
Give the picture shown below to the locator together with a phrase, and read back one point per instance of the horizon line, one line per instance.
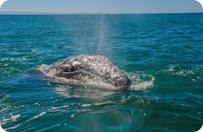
(87, 13)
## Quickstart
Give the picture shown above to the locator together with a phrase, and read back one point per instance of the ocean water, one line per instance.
(166, 47)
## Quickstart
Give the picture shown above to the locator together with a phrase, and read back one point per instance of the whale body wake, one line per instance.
(87, 70)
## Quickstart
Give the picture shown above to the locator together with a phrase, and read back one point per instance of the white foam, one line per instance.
(141, 81)
(41, 114)
(6, 120)
(15, 117)
(180, 71)
(1, 129)
(11, 128)
(3, 110)
(96, 104)
(59, 108)
(143, 85)
(86, 105)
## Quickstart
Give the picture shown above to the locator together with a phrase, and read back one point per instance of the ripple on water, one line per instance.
(167, 48)
(194, 74)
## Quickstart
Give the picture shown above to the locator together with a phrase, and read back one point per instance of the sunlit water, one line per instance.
(167, 48)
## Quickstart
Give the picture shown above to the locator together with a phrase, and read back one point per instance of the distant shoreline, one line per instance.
(81, 13)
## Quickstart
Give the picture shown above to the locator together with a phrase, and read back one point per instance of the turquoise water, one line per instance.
(166, 47)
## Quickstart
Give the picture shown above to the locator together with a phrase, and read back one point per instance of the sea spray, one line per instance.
(102, 38)
(2, 2)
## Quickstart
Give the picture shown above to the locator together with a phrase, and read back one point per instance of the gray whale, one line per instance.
(86, 70)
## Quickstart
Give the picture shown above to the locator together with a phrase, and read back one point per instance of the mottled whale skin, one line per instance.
(86, 70)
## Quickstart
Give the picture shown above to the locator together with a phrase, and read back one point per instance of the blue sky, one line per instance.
(102, 6)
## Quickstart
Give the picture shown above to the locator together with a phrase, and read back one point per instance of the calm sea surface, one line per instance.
(167, 47)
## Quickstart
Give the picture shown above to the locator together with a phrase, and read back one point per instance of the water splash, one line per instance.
(141, 81)
(143, 85)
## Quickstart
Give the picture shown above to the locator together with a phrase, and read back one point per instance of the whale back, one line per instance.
(87, 69)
